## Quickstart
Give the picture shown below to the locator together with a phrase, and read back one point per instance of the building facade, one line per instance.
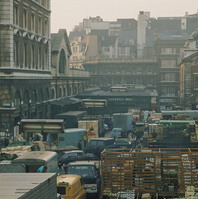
(189, 73)
(110, 72)
(25, 62)
(32, 73)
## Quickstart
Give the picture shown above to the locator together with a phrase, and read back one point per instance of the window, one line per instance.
(106, 49)
(60, 92)
(16, 15)
(46, 28)
(40, 25)
(46, 59)
(196, 83)
(39, 57)
(168, 63)
(61, 190)
(168, 51)
(25, 55)
(16, 53)
(62, 62)
(25, 20)
(168, 77)
(33, 57)
(32, 22)
(168, 91)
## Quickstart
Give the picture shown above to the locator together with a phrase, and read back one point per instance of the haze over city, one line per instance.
(67, 14)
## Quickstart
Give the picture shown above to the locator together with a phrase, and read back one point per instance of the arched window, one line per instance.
(76, 90)
(53, 93)
(46, 94)
(62, 62)
(70, 90)
(64, 92)
(26, 97)
(60, 92)
(34, 97)
(40, 95)
(17, 99)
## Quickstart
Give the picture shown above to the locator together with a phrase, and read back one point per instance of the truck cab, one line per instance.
(90, 173)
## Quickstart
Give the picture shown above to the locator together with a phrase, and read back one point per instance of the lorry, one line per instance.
(70, 137)
(53, 133)
(71, 118)
(28, 185)
(123, 121)
(34, 160)
(92, 127)
(90, 173)
(100, 119)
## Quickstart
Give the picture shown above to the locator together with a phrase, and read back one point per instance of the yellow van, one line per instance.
(71, 187)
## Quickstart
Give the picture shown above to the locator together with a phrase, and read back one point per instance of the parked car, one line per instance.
(97, 145)
(116, 133)
(90, 172)
(75, 155)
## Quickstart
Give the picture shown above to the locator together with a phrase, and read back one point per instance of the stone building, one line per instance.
(30, 78)
(189, 73)
(66, 82)
(25, 62)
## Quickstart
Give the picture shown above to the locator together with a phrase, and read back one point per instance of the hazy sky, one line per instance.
(68, 13)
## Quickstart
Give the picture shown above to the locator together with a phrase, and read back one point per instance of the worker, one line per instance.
(79, 145)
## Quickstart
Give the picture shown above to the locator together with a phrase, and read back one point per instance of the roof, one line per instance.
(65, 101)
(16, 185)
(38, 155)
(91, 163)
(103, 93)
(109, 41)
(56, 40)
(73, 113)
(71, 179)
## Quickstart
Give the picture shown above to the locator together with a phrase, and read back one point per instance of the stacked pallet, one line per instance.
(191, 192)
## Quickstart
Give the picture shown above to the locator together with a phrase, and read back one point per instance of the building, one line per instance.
(106, 73)
(120, 99)
(31, 75)
(25, 62)
(66, 82)
(167, 51)
(189, 73)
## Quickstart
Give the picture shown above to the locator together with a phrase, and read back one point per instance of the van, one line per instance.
(71, 186)
(97, 145)
(34, 161)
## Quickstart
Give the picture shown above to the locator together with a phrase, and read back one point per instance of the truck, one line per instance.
(28, 185)
(100, 119)
(34, 160)
(123, 121)
(70, 137)
(90, 173)
(71, 118)
(91, 126)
